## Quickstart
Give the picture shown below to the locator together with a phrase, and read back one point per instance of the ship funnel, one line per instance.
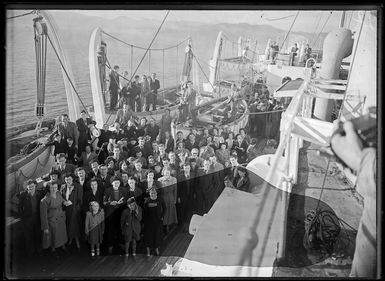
(338, 45)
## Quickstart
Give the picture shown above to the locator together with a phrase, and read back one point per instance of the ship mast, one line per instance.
(73, 107)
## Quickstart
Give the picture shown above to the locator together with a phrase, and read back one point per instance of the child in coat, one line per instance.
(94, 227)
(130, 224)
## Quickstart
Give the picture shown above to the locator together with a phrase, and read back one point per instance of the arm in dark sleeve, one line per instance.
(43, 214)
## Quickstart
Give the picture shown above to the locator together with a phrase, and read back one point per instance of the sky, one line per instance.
(307, 21)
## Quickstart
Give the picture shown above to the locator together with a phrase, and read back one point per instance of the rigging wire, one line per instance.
(285, 17)
(196, 59)
(315, 30)
(65, 71)
(287, 35)
(319, 33)
(152, 41)
(22, 15)
(143, 48)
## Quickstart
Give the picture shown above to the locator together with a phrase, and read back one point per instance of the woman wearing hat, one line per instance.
(72, 193)
(130, 225)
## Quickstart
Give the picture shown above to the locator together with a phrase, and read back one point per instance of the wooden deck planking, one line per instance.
(82, 265)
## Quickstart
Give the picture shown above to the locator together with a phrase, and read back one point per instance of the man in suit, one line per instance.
(63, 167)
(136, 89)
(29, 212)
(68, 129)
(114, 87)
(191, 101)
(124, 114)
(218, 170)
(104, 176)
(82, 178)
(83, 123)
(146, 151)
(165, 123)
(154, 86)
(205, 187)
(184, 202)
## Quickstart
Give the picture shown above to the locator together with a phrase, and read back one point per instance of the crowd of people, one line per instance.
(130, 183)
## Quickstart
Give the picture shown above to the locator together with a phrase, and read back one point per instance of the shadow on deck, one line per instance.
(79, 263)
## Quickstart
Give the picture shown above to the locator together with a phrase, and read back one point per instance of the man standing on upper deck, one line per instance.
(154, 86)
(68, 129)
(114, 87)
(308, 51)
(191, 100)
(84, 124)
(293, 53)
(136, 87)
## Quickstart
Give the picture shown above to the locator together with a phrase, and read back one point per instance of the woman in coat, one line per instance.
(169, 195)
(130, 225)
(53, 218)
(94, 227)
(94, 193)
(72, 193)
(154, 210)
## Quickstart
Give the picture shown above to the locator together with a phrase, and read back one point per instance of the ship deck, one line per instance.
(79, 263)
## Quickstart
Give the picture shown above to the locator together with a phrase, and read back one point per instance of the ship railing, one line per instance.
(296, 126)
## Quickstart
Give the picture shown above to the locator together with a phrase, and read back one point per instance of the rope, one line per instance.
(315, 30)
(289, 30)
(352, 63)
(313, 44)
(279, 18)
(132, 57)
(140, 60)
(176, 67)
(163, 71)
(22, 15)
(143, 48)
(149, 62)
(323, 184)
(69, 79)
(196, 59)
(266, 112)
